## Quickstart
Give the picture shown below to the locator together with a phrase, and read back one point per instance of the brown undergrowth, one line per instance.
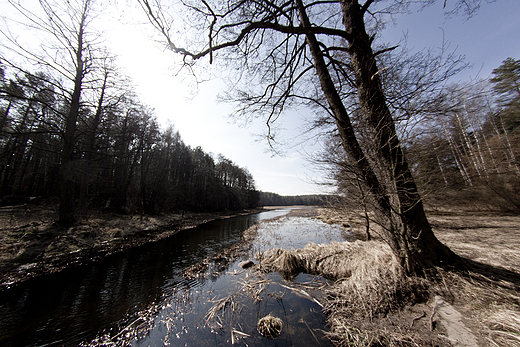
(372, 303)
(370, 298)
(31, 244)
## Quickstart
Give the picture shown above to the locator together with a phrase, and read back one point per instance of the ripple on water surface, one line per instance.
(224, 308)
(141, 298)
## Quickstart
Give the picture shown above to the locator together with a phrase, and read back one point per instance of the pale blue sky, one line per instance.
(486, 39)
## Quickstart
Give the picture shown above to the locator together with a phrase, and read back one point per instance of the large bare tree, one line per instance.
(63, 46)
(323, 53)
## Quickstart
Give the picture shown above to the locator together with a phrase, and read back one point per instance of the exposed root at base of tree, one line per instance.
(373, 303)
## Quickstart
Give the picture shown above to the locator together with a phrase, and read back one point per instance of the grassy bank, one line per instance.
(373, 303)
(31, 244)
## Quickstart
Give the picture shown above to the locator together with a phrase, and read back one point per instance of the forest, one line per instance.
(121, 161)
(463, 148)
(428, 167)
(73, 130)
(273, 199)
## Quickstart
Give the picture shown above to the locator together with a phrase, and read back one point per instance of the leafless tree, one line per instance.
(323, 53)
(68, 52)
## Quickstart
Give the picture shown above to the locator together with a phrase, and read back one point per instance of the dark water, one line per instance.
(99, 300)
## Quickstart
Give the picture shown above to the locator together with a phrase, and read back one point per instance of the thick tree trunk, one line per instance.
(346, 130)
(416, 245)
(66, 211)
(89, 150)
(408, 231)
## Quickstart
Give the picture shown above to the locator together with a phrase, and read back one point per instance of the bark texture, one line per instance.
(66, 211)
(407, 228)
(411, 234)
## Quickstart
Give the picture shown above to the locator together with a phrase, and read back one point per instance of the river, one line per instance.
(140, 297)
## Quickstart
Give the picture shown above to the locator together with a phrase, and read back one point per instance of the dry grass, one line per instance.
(227, 303)
(504, 328)
(270, 326)
(254, 288)
(489, 301)
(489, 239)
(486, 293)
(334, 260)
(369, 284)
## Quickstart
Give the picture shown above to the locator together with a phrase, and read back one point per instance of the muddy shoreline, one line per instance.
(484, 297)
(32, 245)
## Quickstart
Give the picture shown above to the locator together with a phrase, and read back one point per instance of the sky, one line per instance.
(486, 39)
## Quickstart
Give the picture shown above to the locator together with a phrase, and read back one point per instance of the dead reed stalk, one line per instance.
(223, 304)
(369, 282)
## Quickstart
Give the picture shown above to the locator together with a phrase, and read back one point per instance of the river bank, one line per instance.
(374, 304)
(369, 302)
(142, 297)
(32, 245)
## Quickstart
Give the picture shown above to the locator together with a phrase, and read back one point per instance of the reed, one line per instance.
(224, 304)
(369, 283)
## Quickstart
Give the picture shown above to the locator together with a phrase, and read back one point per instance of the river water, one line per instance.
(141, 298)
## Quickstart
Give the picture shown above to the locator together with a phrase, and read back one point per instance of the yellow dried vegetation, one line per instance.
(270, 326)
(369, 282)
(373, 303)
(504, 328)
(369, 279)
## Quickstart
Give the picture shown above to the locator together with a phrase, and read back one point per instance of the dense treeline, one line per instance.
(472, 145)
(464, 150)
(121, 160)
(273, 199)
(72, 128)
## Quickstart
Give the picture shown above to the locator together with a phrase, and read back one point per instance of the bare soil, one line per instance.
(31, 244)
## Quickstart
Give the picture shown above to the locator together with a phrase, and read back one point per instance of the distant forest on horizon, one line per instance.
(273, 199)
(123, 161)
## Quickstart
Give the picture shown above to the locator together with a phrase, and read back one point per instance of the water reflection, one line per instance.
(247, 298)
(73, 306)
(140, 296)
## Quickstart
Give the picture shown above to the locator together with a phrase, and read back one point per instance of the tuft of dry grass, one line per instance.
(279, 260)
(270, 326)
(334, 260)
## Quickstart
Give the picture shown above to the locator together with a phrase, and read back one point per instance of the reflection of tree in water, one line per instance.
(227, 308)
